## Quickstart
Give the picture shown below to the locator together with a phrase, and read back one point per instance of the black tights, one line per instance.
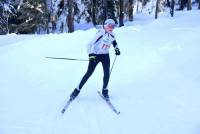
(105, 60)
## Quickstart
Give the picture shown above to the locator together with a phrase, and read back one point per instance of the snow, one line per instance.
(154, 83)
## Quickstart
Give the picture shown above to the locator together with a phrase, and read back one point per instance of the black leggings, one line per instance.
(105, 60)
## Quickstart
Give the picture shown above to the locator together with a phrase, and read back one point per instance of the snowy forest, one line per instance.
(58, 16)
(154, 84)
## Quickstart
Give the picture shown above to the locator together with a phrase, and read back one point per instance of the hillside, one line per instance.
(154, 83)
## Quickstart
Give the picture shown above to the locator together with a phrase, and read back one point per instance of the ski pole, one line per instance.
(60, 58)
(113, 64)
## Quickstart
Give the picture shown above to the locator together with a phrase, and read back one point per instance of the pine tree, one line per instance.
(6, 12)
(111, 9)
(101, 13)
(105, 10)
(31, 17)
(89, 11)
(96, 11)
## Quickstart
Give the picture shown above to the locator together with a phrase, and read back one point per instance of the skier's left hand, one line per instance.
(117, 52)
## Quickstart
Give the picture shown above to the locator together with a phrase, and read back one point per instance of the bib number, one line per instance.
(105, 47)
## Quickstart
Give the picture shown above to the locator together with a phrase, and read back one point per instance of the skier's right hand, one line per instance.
(92, 57)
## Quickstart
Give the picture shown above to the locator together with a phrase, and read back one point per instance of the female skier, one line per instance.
(98, 50)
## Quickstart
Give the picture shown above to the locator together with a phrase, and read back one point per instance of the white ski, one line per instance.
(108, 102)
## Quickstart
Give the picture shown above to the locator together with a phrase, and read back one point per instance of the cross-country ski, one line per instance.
(108, 102)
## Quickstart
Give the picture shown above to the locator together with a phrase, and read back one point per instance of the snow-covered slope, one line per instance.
(154, 83)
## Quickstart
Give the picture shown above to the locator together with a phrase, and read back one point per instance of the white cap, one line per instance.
(109, 21)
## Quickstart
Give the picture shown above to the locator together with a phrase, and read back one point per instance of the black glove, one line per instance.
(92, 57)
(117, 52)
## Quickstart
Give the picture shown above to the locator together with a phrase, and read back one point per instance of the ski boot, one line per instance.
(105, 94)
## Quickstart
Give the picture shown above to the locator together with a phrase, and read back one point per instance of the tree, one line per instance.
(189, 5)
(47, 20)
(93, 12)
(130, 10)
(105, 10)
(182, 4)
(156, 11)
(101, 11)
(121, 13)
(3, 20)
(52, 16)
(70, 16)
(89, 11)
(140, 4)
(172, 8)
(111, 4)
(199, 5)
(32, 16)
(7, 10)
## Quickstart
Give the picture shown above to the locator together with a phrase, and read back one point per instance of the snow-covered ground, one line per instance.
(154, 83)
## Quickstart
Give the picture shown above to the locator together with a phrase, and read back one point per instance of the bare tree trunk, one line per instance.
(189, 5)
(7, 23)
(62, 27)
(172, 8)
(46, 16)
(2, 23)
(70, 16)
(52, 18)
(183, 4)
(199, 5)
(130, 10)
(121, 13)
(94, 12)
(157, 6)
(168, 3)
(137, 6)
(143, 4)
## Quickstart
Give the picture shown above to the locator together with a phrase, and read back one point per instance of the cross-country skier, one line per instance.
(98, 50)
